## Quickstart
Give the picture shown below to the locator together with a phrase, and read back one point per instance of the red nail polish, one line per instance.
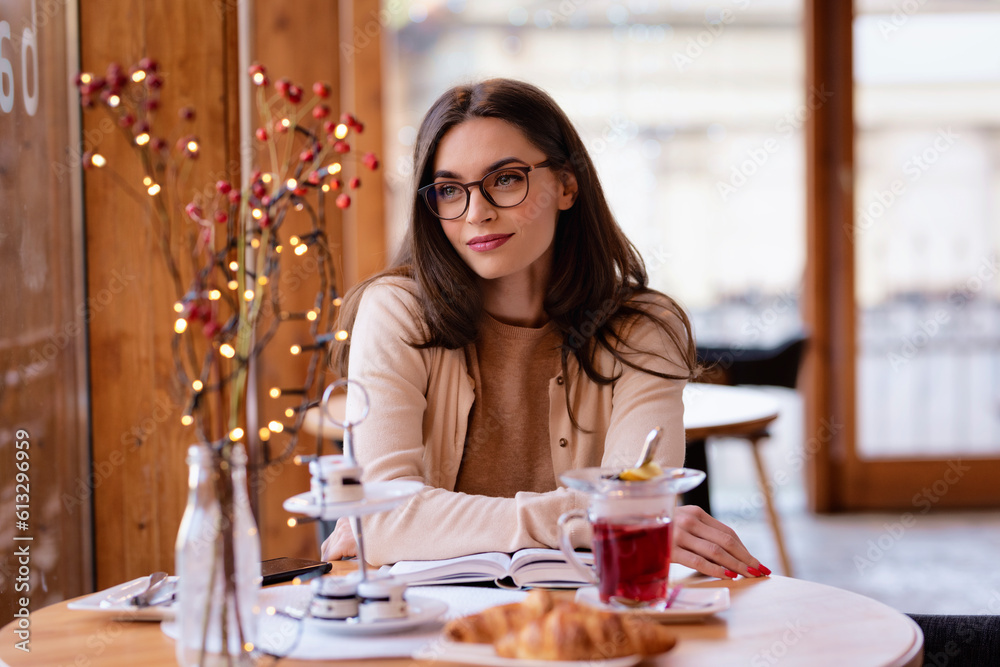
(766, 572)
(730, 574)
(753, 572)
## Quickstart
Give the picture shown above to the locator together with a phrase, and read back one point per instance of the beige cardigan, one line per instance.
(420, 404)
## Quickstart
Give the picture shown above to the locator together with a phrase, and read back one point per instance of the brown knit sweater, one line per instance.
(511, 367)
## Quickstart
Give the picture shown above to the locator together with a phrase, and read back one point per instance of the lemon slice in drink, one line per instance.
(648, 471)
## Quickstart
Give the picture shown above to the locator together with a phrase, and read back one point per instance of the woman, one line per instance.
(514, 338)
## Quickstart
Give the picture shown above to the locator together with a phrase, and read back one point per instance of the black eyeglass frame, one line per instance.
(424, 192)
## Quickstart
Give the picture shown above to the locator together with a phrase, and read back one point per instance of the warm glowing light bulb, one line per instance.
(236, 434)
(232, 284)
(340, 131)
(98, 160)
(197, 385)
(302, 249)
(214, 295)
(312, 315)
(258, 78)
(142, 139)
(266, 178)
(290, 412)
(248, 295)
(286, 123)
(181, 325)
(114, 101)
(257, 214)
(325, 187)
(337, 301)
(293, 240)
(254, 243)
(192, 146)
(227, 351)
(178, 307)
(333, 168)
(234, 265)
(86, 77)
(274, 392)
(271, 611)
(187, 420)
(147, 181)
(291, 524)
(341, 335)
(276, 426)
(263, 280)
(295, 349)
(153, 190)
(138, 75)
(278, 249)
(291, 184)
(264, 434)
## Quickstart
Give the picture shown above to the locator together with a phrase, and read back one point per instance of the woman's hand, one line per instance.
(340, 544)
(710, 546)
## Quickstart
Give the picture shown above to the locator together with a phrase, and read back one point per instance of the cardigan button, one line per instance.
(563, 442)
(559, 379)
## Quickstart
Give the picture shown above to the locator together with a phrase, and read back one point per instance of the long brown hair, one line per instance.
(596, 271)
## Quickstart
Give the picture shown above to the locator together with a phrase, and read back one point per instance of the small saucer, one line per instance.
(379, 497)
(692, 605)
(419, 611)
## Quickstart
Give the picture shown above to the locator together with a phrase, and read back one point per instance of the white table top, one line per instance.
(710, 407)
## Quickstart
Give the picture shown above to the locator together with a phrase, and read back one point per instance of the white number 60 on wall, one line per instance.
(29, 41)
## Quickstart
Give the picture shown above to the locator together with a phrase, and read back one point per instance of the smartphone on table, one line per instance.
(278, 570)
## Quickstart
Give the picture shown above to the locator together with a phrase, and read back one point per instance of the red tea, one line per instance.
(632, 558)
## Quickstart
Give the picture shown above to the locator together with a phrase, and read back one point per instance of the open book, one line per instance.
(528, 567)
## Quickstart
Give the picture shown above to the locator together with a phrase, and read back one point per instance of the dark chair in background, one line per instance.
(776, 366)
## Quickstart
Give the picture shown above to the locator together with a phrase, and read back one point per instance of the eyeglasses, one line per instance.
(504, 188)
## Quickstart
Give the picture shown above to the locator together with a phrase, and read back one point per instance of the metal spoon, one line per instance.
(648, 449)
(156, 580)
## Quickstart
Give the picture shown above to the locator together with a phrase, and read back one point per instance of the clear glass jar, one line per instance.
(207, 618)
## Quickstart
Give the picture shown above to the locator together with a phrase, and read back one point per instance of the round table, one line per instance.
(721, 410)
(771, 621)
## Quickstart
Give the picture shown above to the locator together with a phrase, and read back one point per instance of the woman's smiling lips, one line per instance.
(488, 242)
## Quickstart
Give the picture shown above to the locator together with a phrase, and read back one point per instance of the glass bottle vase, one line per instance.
(218, 570)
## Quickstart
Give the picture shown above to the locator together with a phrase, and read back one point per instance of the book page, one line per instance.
(474, 567)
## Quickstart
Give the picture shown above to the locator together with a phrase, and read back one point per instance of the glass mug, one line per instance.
(632, 532)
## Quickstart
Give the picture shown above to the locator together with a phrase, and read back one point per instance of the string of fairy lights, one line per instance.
(233, 241)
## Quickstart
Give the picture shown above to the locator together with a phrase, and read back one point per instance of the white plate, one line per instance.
(379, 497)
(483, 654)
(123, 611)
(420, 611)
(691, 604)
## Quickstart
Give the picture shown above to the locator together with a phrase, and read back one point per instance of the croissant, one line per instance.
(573, 632)
(493, 623)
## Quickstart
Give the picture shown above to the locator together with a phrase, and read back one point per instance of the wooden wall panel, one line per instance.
(43, 316)
(137, 436)
(829, 373)
(297, 41)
